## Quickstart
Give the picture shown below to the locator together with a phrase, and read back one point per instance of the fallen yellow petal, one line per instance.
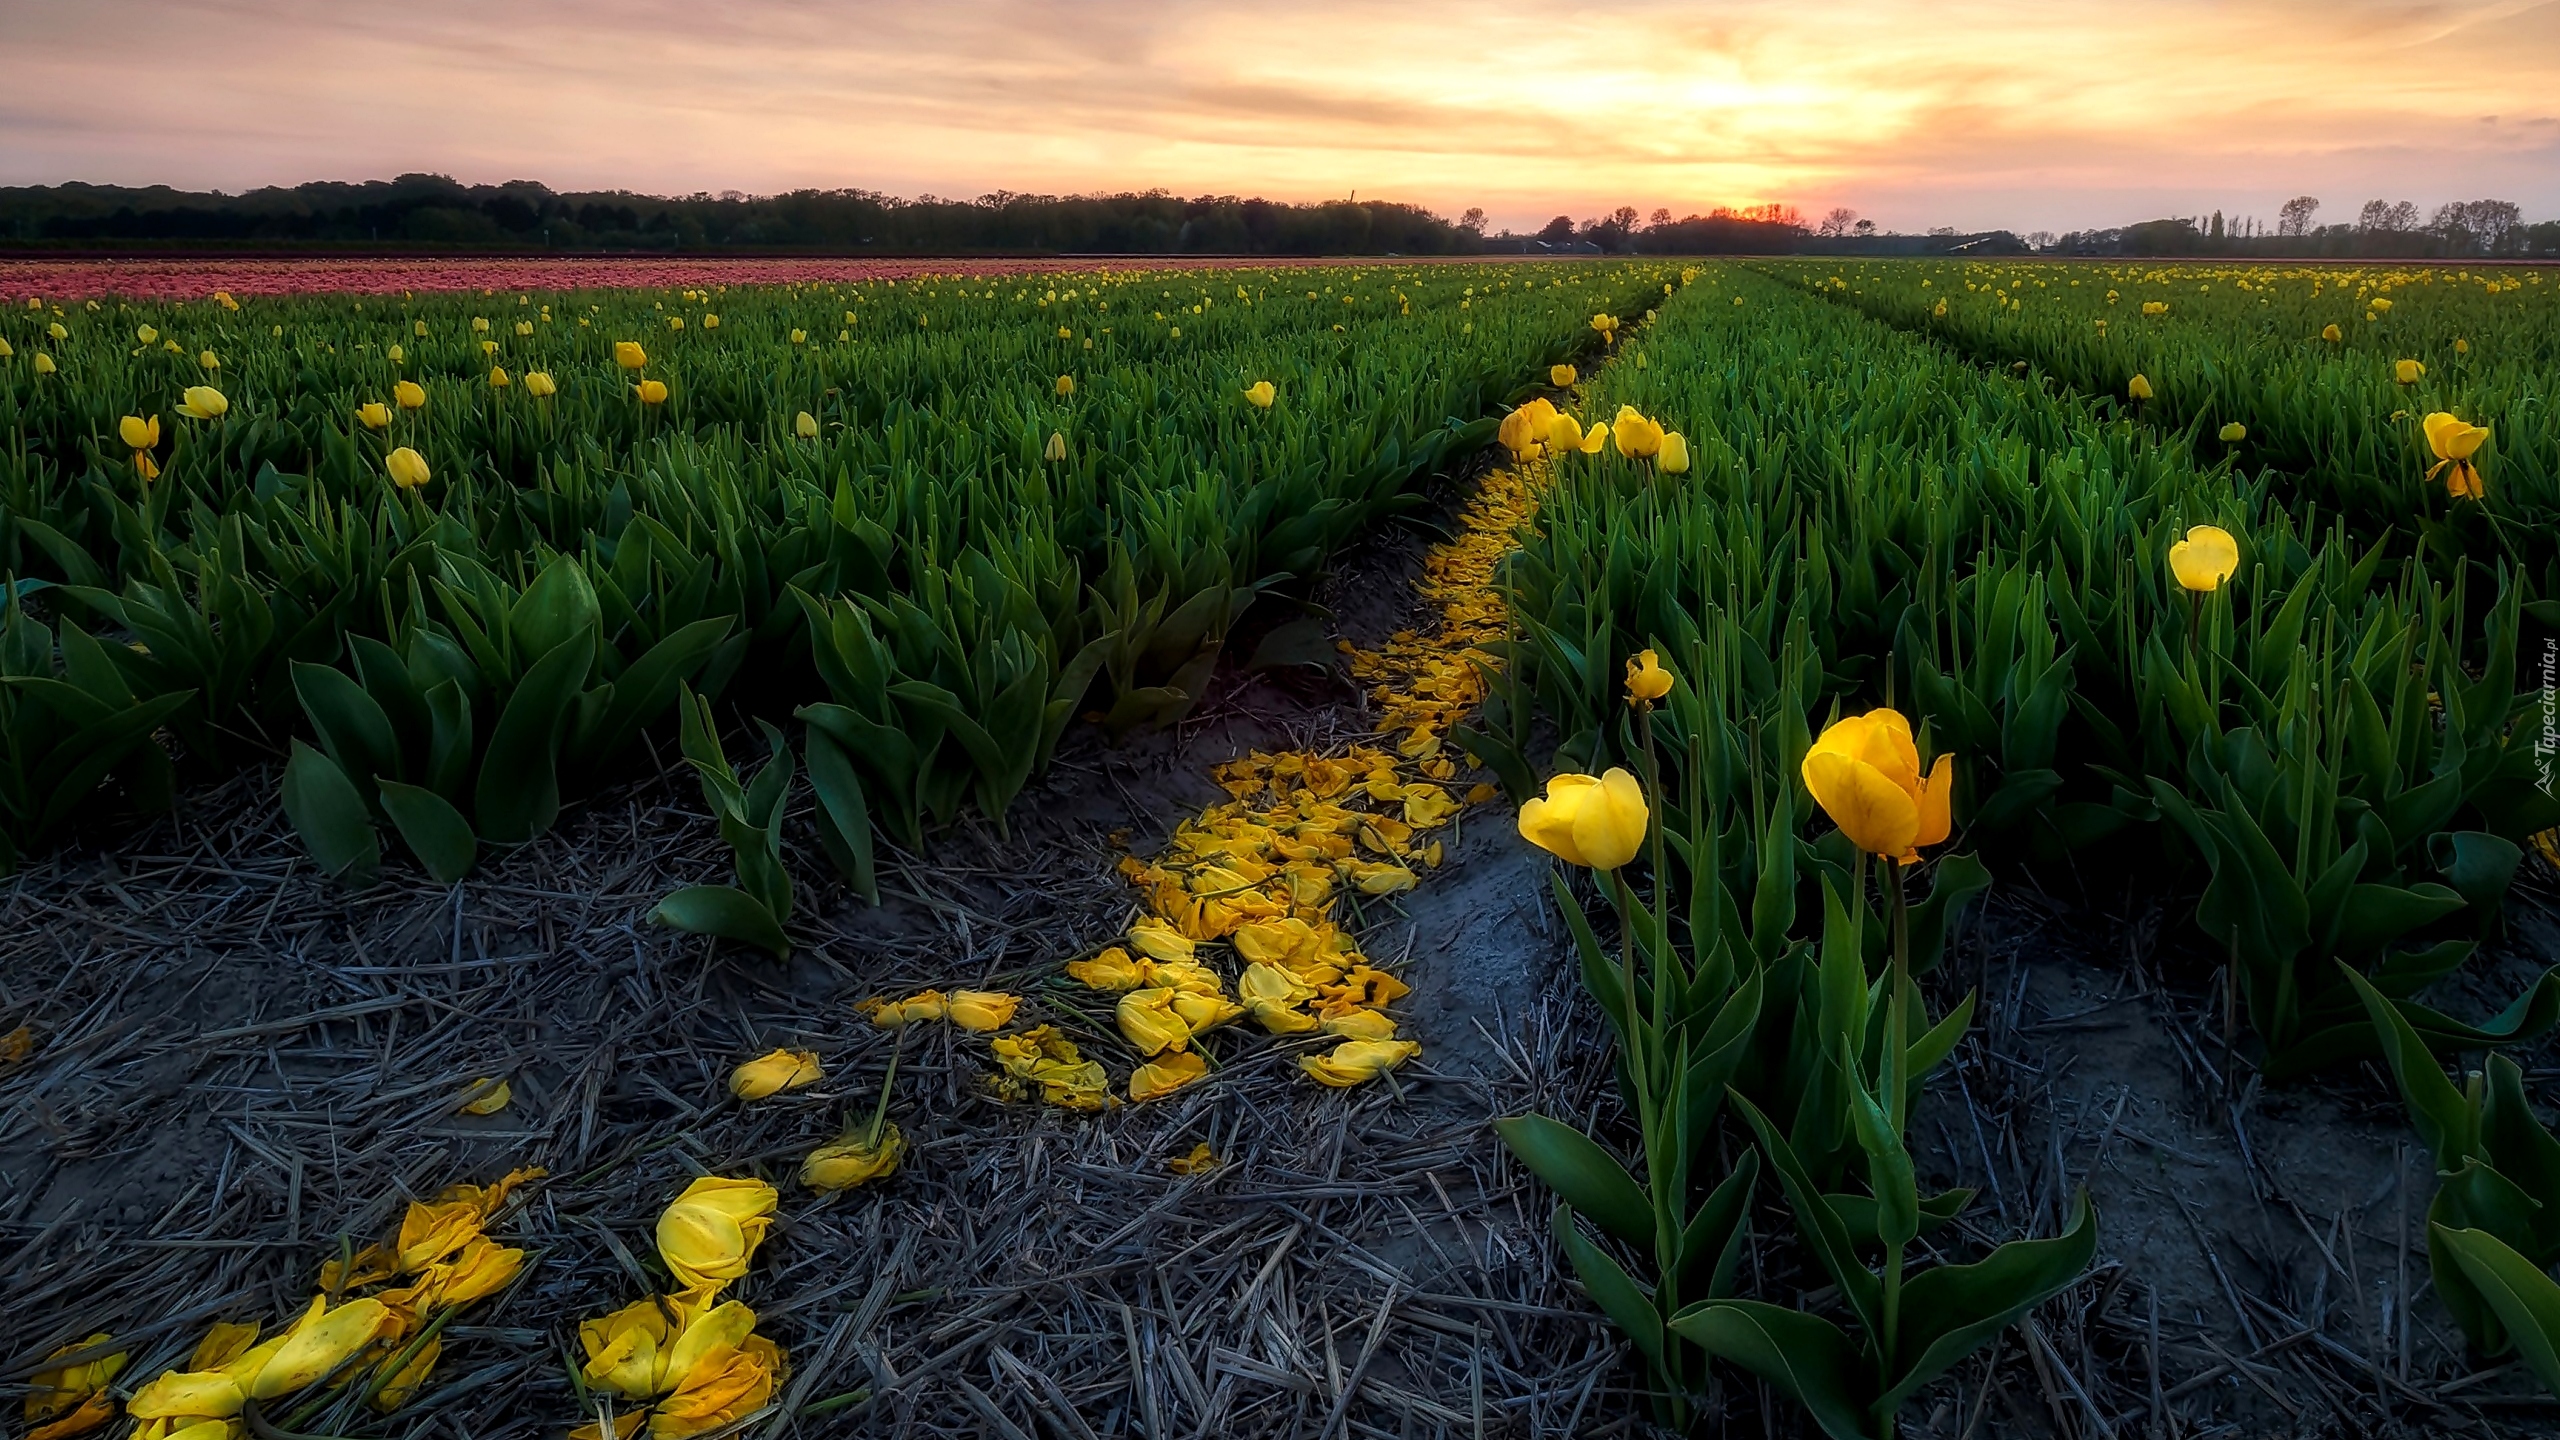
(1166, 1074)
(850, 1161)
(1354, 1061)
(487, 1097)
(1200, 1160)
(982, 1010)
(774, 1073)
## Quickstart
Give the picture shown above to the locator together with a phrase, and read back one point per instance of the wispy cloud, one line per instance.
(1975, 111)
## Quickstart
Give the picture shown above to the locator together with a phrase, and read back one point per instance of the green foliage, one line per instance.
(750, 816)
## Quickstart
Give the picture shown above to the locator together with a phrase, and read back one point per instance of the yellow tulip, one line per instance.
(710, 322)
(1865, 774)
(1561, 376)
(524, 327)
(629, 355)
(718, 1390)
(2332, 333)
(1043, 1057)
(57, 331)
(1647, 681)
(711, 1231)
(1113, 969)
(43, 363)
(799, 337)
(180, 1398)
(2380, 303)
(1636, 437)
(203, 402)
(1148, 1021)
(373, 415)
(1056, 449)
(1597, 822)
(394, 354)
(2234, 433)
(479, 325)
(1523, 429)
(409, 395)
(208, 360)
(1261, 393)
(1354, 1061)
(2455, 442)
(651, 392)
(540, 385)
(982, 1010)
(623, 1347)
(805, 425)
(1674, 459)
(2206, 558)
(1360, 1023)
(407, 468)
(487, 1097)
(1158, 941)
(1164, 1075)
(925, 1005)
(1564, 433)
(675, 322)
(498, 377)
(72, 1399)
(2461, 347)
(1066, 385)
(320, 1342)
(852, 1160)
(2138, 388)
(2407, 372)
(138, 433)
(145, 334)
(774, 1073)
(1606, 324)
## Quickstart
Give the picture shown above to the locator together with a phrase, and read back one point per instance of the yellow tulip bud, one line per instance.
(2206, 558)
(2461, 347)
(2407, 372)
(409, 395)
(497, 377)
(373, 415)
(1597, 822)
(407, 468)
(2234, 433)
(805, 425)
(1261, 393)
(1647, 681)
(2138, 388)
(1056, 449)
(145, 334)
(203, 402)
(1673, 459)
(629, 355)
(774, 1073)
(2332, 333)
(852, 1160)
(43, 363)
(1864, 772)
(1564, 434)
(57, 331)
(1066, 385)
(1561, 376)
(539, 384)
(208, 360)
(651, 392)
(420, 329)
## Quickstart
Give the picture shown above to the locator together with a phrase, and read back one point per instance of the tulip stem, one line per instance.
(880, 1112)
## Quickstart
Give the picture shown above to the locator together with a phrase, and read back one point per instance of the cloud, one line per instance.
(1974, 111)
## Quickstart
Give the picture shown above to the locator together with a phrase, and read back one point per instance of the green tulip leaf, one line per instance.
(725, 912)
(1582, 1174)
(433, 830)
(330, 816)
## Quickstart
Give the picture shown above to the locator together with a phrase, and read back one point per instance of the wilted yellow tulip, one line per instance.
(2332, 333)
(853, 1159)
(626, 1348)
(373, 415)
(1043, 1057)
(138, 433)
(1354, 1061)
(805, 425)
(982, 1010)
(651, 392)
(2206, 558)
(180, 1400)
(320, 1342)
(72, 1399)
(487, 1097)
(1360, 1023)
(1636, 436)
(1200, 1161)
(1066, 385)
(629, 355)
(203, 402)
(1148, 1021)
(498, 377)
(717, 1389)
(540, 385)
(924, 1005)
(2455, 442)
(409, 395)
(1261, 393)
(1113, 969)
(1864, 772)
(1647, 681)
(2234, 433)
(774, 1073)
(1597, 822)
(2138, 388)
(1164, 1075)
(1561, 376)
(1158, 941)
(1674, 458)
(407, 468)
(711, 1231)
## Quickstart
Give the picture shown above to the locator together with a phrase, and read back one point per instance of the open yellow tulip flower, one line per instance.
(1165, 1074)
(374, 415)
(1636, 437)
(2408, 372)
(1355, 1061)
(1674, 457)
(540, 385)
(1561, 376)
(498, 377)
(1593, 821)
(711, 1231)
(2206, 558)
(2454, 442)
(853, 1159)
(774, 1073)
(409, 395)
(407, 468)
(2138, 388)
(629, 355)
(72, 1399)
(1261, 393)
(203, 402)
(982, 1010)
(138, 433)
(1647, 681)
(1864, 772)
(1148, 1021)
(651, 392)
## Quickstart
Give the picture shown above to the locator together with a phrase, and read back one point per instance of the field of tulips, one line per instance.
(1908, 622)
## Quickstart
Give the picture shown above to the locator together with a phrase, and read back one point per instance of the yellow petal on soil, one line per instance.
(1355, 1061)
(1201, 1160)
(850, 1162)
(1159, 941)
(321, 1341)
(982, 1010)
(1147, 1020)
(1360, 1024)
(711, 1231)
(1113, 969)
(487, 1097)
(775, 1073)
(1166, 1074)
(188, 1395)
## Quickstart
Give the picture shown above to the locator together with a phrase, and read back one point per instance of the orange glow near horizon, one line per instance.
(1973, 114)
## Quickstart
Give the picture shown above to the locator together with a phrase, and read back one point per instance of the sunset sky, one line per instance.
(1970, 113)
